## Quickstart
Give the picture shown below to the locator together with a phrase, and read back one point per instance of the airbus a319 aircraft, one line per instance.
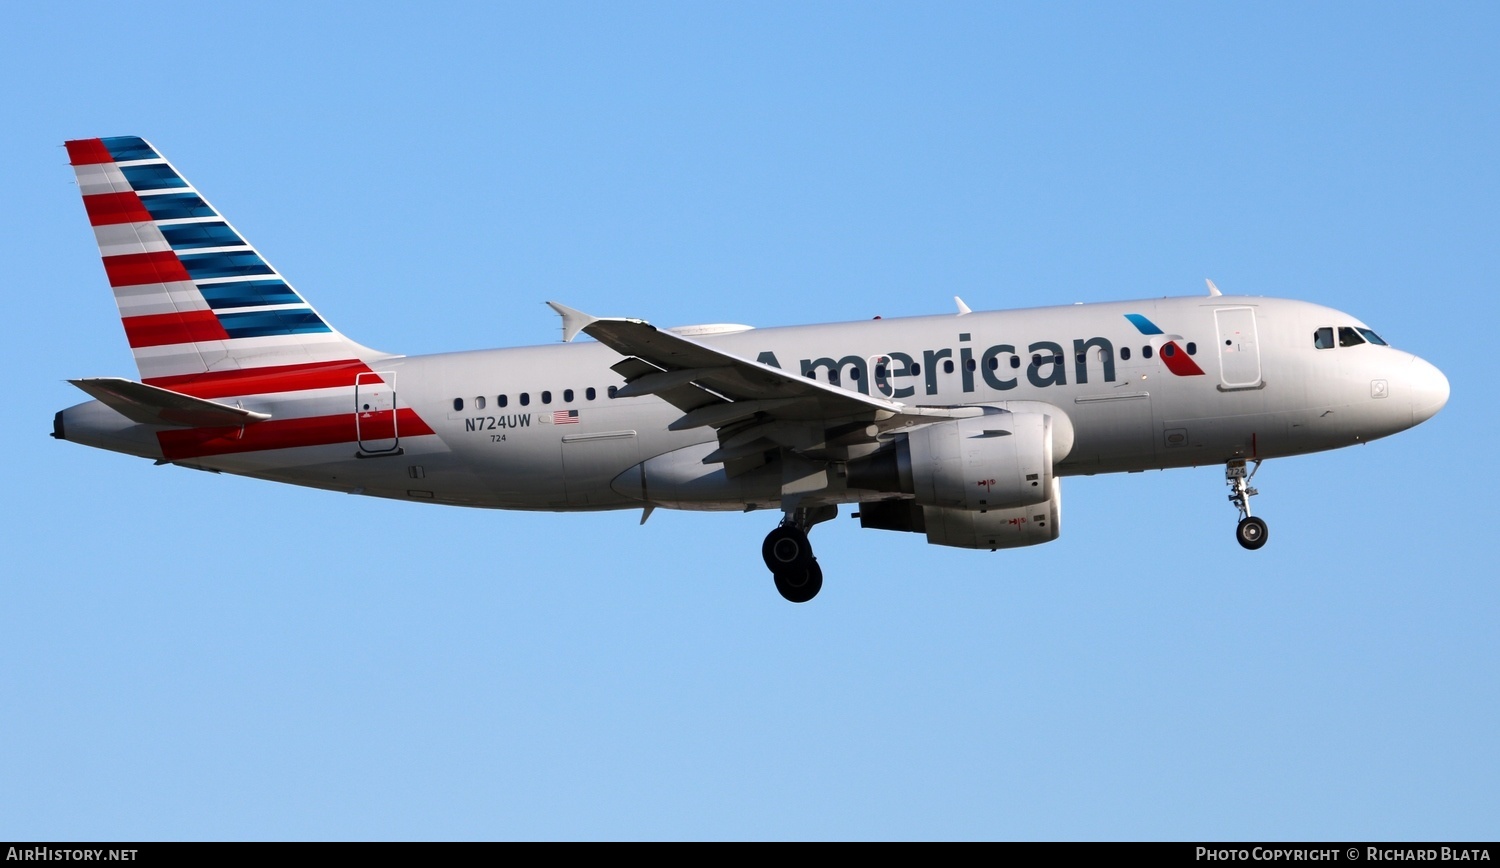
(959, 427)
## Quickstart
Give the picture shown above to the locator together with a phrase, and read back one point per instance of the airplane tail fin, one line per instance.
(195, 298)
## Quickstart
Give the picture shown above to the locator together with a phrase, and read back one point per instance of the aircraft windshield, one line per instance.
(1348, 336)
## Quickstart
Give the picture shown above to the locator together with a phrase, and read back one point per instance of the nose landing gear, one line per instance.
(789, 556)
(1252, 531)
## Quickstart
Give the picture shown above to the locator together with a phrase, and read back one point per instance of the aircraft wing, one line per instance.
(150, 405)
(753, 406)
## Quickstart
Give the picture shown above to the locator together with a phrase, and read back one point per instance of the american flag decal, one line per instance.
(565, 417)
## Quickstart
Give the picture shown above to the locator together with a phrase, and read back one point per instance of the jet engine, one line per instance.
(995, 461)
(981, 482)
(968, 529)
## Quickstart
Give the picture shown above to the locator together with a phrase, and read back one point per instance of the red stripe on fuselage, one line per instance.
(133, 269)
(84, 152)
(264, 381)
(276, 434)
(1179, 362)
(173, 328)
(109, 208)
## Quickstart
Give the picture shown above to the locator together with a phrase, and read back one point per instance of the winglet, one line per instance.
(962, 308)
(1212, 290)
(574, 321)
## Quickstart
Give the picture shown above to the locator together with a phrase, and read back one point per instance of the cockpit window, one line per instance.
(1323, 339)
(1373, 338)
(1348, 337)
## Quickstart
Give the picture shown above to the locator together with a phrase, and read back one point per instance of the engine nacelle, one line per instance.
(968, 529)
(998, 528)
(987, 462)
(1000, 460)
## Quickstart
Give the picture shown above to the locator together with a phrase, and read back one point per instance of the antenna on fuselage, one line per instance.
(1212, 290)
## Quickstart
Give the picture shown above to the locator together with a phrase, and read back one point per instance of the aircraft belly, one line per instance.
(1109, 429)
(591, 460)
(522, 472)
(680, 480)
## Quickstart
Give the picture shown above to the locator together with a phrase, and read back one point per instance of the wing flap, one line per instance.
(732, 394)
(731, 376)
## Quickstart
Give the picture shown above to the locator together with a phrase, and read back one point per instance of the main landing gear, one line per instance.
(789, 555)
(1251, 532)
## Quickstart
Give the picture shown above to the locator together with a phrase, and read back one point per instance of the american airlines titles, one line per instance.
(998, 366)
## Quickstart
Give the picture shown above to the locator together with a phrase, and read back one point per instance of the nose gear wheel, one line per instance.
(1251, 533)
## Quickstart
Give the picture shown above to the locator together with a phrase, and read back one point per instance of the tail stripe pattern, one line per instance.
(194, 296)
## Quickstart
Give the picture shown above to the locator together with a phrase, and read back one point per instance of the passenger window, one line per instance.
(971, 365)
(546, 397)
(567, 396)
(612, 391)
(479, 403)
(916, 369)
(948, 366)
(458, 404)
(1124, 354)
(525, 399)
(1348, 337)
(501, 401)
(1169, 350)
(1146, 351)
(854, 374)
(1036, 361)
(994, 363)
(1192, 348)
(589, 393)
(1323, 339)
(1015, 361)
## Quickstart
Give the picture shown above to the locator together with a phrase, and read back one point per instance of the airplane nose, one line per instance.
(1428, 388)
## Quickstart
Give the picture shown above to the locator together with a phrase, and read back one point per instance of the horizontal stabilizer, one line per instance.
(150, 405)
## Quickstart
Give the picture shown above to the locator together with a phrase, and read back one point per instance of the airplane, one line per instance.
(959, 426)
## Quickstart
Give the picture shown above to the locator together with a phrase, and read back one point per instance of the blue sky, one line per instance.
(190, 656)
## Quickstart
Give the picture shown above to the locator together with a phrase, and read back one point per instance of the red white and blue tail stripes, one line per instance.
(194, 296)
(207, 316)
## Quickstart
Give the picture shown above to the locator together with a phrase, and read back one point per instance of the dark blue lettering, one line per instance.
(1051, 357)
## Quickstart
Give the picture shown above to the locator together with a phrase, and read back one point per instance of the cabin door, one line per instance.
(375, 413)
(1239, 348)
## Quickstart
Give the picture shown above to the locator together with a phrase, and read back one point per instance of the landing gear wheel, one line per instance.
(1252, 532)
(800, 584)
(785, 548)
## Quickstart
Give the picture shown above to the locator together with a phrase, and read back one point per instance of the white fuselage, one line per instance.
(536, 428)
